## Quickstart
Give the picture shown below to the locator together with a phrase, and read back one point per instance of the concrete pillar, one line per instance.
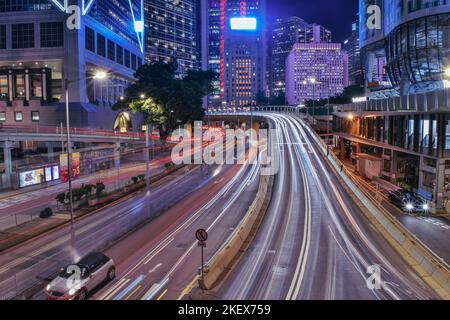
(10, 88)
(27, 87)
(439, 187)
(7, 160)
(44, 85)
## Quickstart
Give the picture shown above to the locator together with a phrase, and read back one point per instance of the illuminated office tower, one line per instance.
(38, 52)
(315, 71)
(171, 32)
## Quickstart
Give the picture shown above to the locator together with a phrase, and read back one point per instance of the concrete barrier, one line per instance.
(432, 268)
(222, 262)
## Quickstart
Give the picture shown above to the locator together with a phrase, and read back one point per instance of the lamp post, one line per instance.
(313, 81)
(98, 76)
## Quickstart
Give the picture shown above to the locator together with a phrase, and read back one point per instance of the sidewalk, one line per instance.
(24, 204)
(433, 231)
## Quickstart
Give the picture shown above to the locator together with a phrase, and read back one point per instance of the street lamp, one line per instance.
(99, 75)
(447, 72)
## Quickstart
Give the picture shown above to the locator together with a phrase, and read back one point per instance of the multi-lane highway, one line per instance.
(34, 263)
(314, 242)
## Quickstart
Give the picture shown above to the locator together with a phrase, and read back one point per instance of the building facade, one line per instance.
(405, 124)
(172, 33)
(231, 49)
(38, 53)
(352, 47)
(285, 33)
(315, 71)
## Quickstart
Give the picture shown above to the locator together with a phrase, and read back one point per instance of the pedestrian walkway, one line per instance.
(24, 201)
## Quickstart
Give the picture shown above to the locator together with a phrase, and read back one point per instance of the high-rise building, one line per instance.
(399, 132)
(351, 45)
(172, 33)
(285, 33)
(315, 71)
(236, 38)
(315, 33)
(38, 52)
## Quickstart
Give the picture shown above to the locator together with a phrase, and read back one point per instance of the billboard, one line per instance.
(244, 23)
(64, 166)
(38, 176)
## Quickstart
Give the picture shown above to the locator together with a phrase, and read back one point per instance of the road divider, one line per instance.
(219, 266)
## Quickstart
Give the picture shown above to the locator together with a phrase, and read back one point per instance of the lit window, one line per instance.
(2, 116)
(35, 116)
(18, 116)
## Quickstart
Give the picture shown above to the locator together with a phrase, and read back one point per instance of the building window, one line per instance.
(3, 87)
(35, 116)
(19, 86)
(133, 62)
(127, 58)
(52, 34)
(18, 116)
(23, 36)
(119, 54)
(90, 39)
(101, 45)
(2, 36)
(36, 85)
(2, 116)
(111, 50)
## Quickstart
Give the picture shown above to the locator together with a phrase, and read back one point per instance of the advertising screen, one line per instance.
(247, 23)
(31, 178)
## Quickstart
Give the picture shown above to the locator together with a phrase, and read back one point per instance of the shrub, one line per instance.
(135, 180)
(46, 213)
(88, 189)
(141, 177)
(99, 188)
(61, 198)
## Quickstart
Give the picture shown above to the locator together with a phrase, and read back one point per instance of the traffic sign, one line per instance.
(201, 235)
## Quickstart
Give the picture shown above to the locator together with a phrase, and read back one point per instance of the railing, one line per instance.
(39, 129)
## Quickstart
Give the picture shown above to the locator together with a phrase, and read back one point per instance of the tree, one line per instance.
(169, 101)
(279, 100)
(261, 98)
(345, 97)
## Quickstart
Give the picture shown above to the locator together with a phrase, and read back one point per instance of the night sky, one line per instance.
(336, 15)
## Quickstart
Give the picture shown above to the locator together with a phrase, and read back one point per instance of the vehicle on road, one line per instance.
(76, 281)
(409, 202)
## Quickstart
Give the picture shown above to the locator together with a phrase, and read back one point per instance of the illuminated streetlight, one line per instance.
(447, 72)
(100, 75)
(350, 117)
(142, 96)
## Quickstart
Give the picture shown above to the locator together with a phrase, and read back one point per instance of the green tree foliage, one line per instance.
(165, 100)
(346, 97)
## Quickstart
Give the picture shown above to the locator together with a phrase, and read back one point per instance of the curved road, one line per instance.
(315, 243)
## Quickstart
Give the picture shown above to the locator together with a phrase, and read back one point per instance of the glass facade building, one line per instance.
(405, 124)
(171, 28)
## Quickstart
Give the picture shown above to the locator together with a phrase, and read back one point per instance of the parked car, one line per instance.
(76, 281)
(409, 202)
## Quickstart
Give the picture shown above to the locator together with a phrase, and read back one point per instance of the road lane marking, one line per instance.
(132, 292)
(129, 288)
(119, 285)
(155, 268)
(162, 294)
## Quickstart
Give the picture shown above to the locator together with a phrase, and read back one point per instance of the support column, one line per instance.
(27, 88)
(10, 88)
(439, 187)
(7, 161)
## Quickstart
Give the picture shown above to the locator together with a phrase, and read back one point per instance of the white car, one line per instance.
(76, 281)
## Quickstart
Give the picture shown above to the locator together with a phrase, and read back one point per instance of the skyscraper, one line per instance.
(286, 33)
(172, 33)
(315, 71)
(351, 45)
(236, 37)
(38, 52)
